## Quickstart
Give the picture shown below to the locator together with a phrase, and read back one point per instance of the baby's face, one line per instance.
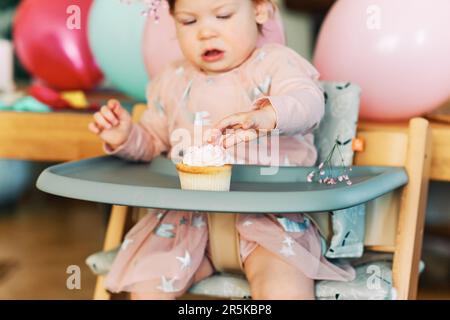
(217, 35)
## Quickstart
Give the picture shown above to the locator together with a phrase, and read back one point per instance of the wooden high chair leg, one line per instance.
(113, 238)
(408, 249)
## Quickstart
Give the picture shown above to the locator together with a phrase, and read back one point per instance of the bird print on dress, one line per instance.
(288, 240)
(287, 251)
(291, 226)
(261, 55)
(183, 220)
(247, 223)
(164, 230)
(167, 284)
(185, 261)
(261, 89)
(198, 222)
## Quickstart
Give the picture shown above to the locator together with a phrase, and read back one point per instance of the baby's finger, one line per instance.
(230, 140)
(109, 116)
(112, 103)
(213, 136)
(101, 121)
(239, 136)
(248, 124)
(116, 108)
(231, 121)
(247, 135)
(93, 128)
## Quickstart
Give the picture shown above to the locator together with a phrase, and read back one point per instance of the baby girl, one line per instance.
(240, 88)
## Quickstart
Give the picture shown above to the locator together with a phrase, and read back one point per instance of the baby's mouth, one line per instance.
(212, 55)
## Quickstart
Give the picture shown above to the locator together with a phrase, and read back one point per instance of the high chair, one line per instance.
(398, 161)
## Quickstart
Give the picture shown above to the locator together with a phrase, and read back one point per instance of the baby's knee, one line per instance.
(271, 291)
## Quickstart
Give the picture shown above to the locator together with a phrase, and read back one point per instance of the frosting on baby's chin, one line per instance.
(206, 156)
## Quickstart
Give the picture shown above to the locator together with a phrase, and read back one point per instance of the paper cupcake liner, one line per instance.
(207, 182)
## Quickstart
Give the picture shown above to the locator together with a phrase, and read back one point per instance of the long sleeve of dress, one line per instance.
(295, 92)
(150, 136)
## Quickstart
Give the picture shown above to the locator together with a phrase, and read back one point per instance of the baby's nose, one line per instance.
(206, 33)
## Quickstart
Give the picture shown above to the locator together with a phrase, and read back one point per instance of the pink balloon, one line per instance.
(161, 47)
(49, 49)
(398, 51)
(160, 43)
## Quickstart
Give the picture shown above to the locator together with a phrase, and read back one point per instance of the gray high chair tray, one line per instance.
(156, 185)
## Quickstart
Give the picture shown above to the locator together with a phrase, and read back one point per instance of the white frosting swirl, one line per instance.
(206, 156)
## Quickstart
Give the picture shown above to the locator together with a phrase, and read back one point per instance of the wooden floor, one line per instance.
(44, 235)
(40, 239)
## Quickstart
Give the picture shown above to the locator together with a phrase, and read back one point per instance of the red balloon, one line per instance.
(48, 96)
(50, 37)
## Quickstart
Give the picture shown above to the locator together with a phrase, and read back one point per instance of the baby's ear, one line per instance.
(262, 11)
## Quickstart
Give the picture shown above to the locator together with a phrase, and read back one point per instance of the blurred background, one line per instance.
(41, 235)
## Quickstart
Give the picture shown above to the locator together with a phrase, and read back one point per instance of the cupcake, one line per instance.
(205, 167)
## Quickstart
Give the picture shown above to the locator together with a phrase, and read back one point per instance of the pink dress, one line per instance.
(162, 252)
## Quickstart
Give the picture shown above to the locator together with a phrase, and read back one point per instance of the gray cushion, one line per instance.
(373, 282)
(340, 121)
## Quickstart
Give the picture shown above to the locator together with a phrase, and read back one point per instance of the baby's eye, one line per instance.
(188, 22)
(224, 16)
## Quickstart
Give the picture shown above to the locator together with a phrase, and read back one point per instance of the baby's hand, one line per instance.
(112, 124)
(243, 126)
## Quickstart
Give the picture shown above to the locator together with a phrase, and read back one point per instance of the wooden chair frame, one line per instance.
(409, 148)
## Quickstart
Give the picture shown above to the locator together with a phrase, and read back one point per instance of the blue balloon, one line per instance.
(15, 177)
(115, 36)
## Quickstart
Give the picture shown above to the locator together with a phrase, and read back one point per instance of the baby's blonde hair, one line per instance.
(271, 2)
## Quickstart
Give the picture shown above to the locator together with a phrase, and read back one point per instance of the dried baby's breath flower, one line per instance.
(151, 7)
(328, 174)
